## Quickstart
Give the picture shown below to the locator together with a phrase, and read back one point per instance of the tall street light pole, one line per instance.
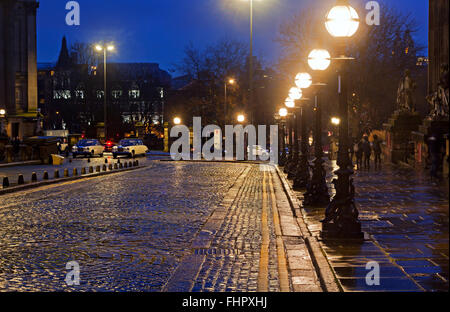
(289, 103)
(301, 178)
(230, 81)
(104, 48)
(295, 94)
(342, 216)
(282, 114)
(317, 191)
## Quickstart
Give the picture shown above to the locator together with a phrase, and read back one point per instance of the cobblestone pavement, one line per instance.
(128, 231)
(133, 231)
(407, 217)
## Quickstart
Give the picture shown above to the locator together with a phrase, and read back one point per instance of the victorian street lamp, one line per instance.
(341, 216)
(104, 48)
(289, 103)
(317, 190)
(282, 113)
(295, 94)
(304, 81)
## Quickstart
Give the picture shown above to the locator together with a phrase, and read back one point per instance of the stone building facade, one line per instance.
(18, 68)
(71, 95)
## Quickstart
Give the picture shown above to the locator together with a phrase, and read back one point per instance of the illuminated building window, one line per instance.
(134, 94)
(117, 93)
(61, 94)
(79, 94)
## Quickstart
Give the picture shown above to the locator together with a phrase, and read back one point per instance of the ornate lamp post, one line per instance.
(289, 103)
(317, 190)
(341, 217)
(282, 113)
(304, 81)
(295, 94)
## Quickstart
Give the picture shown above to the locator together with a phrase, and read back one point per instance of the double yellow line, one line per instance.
(263, 277)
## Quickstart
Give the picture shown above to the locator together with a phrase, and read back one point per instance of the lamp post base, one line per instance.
(301, 176)
(291, 169)
(317, 190)
(341, 216)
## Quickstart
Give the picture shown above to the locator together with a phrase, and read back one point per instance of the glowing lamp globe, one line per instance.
(335, 121)
(289, 103)
(295, 93)
(303, 80)
(283, 112)
(319, 59)
(342, 21)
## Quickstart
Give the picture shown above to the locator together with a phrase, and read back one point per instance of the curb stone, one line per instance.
(32, 185)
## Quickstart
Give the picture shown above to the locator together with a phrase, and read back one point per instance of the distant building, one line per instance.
(18, 71)
(71, 95)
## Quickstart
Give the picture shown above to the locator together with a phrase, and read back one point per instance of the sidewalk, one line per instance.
(406, 217)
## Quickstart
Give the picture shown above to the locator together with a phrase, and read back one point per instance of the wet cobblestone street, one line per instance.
(170, 226)
(128, 231)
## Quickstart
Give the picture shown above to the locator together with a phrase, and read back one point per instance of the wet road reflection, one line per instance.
(128, 231)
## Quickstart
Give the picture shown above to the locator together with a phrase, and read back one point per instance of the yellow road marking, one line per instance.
(283, 275)
(263, 276)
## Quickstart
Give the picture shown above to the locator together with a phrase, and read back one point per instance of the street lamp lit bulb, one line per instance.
(289, 103)
(241, 118)
(335, 121)
(110, 48)
(342, 21)
(2, 112)
(99, 47)
(295, 93)
(177, 121)
(303, 80)
(319, 59)
(283, 112)
(231, 81)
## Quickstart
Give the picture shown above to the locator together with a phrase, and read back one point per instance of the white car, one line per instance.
(130, 148)
(257, 150)
(88, 147)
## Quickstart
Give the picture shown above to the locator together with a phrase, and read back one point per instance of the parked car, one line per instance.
(130, 148)
(257, 150)
(88, 147)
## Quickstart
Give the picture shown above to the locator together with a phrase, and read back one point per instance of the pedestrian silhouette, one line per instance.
(367, 151)
(358, 148)
(377, 151)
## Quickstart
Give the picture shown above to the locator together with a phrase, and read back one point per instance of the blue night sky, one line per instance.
(158, 30)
